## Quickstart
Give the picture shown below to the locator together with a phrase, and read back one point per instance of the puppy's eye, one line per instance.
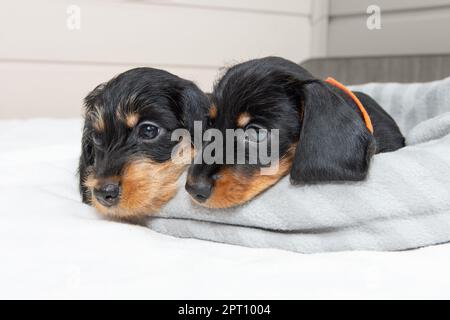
(148, 131)
(97, 139)
(255, 133)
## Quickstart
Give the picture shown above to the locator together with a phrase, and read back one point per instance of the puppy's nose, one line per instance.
(108, 194)
(200, 190)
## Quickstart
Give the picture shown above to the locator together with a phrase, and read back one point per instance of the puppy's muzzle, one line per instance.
(108, 194)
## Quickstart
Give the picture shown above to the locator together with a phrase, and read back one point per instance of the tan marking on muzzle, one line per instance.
(145, 187)
(233, 189)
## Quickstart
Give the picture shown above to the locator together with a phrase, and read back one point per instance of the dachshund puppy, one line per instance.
(323, 135)
(125, 167)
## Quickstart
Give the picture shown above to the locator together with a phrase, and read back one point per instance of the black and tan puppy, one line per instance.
(125, 168)
(322, 133)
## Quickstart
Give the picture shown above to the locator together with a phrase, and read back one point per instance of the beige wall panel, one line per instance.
(348, 7)
(137, 33)
(57, 90)
(294, 7)
(409, 32)
(46, 69)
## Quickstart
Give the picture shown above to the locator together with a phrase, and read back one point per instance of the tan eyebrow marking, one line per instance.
(243, 119)
(213, 112)
(132, 120)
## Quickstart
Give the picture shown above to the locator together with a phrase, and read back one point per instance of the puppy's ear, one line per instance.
(93, 98)
(85, 164)
(195, 106)
(87, 149)
(334, 142)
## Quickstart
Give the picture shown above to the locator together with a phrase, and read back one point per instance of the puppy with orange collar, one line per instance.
(325, 131)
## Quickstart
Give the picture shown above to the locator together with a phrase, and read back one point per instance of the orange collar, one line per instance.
(364, 113)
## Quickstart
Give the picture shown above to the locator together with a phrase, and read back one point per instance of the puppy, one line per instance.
(125, 167)
(323, 134)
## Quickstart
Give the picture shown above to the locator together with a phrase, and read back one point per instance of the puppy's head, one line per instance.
(321, 136)
(126, 170)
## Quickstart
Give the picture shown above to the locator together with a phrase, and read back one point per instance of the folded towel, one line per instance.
(403, 204)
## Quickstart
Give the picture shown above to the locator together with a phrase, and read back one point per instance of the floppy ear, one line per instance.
(334, 142)
(87, 150)
(195, 106)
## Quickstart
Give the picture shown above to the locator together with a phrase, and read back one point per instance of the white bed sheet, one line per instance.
(53, 246)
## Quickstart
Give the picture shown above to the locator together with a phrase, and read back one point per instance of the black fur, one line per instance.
(156, 96)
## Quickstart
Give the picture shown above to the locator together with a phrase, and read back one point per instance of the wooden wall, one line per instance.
(407, 27)
(46, 68)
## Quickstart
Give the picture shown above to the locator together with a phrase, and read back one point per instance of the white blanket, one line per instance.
(53, 246)
(403, 204)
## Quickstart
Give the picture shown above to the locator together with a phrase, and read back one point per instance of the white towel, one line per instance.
(403, 204)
